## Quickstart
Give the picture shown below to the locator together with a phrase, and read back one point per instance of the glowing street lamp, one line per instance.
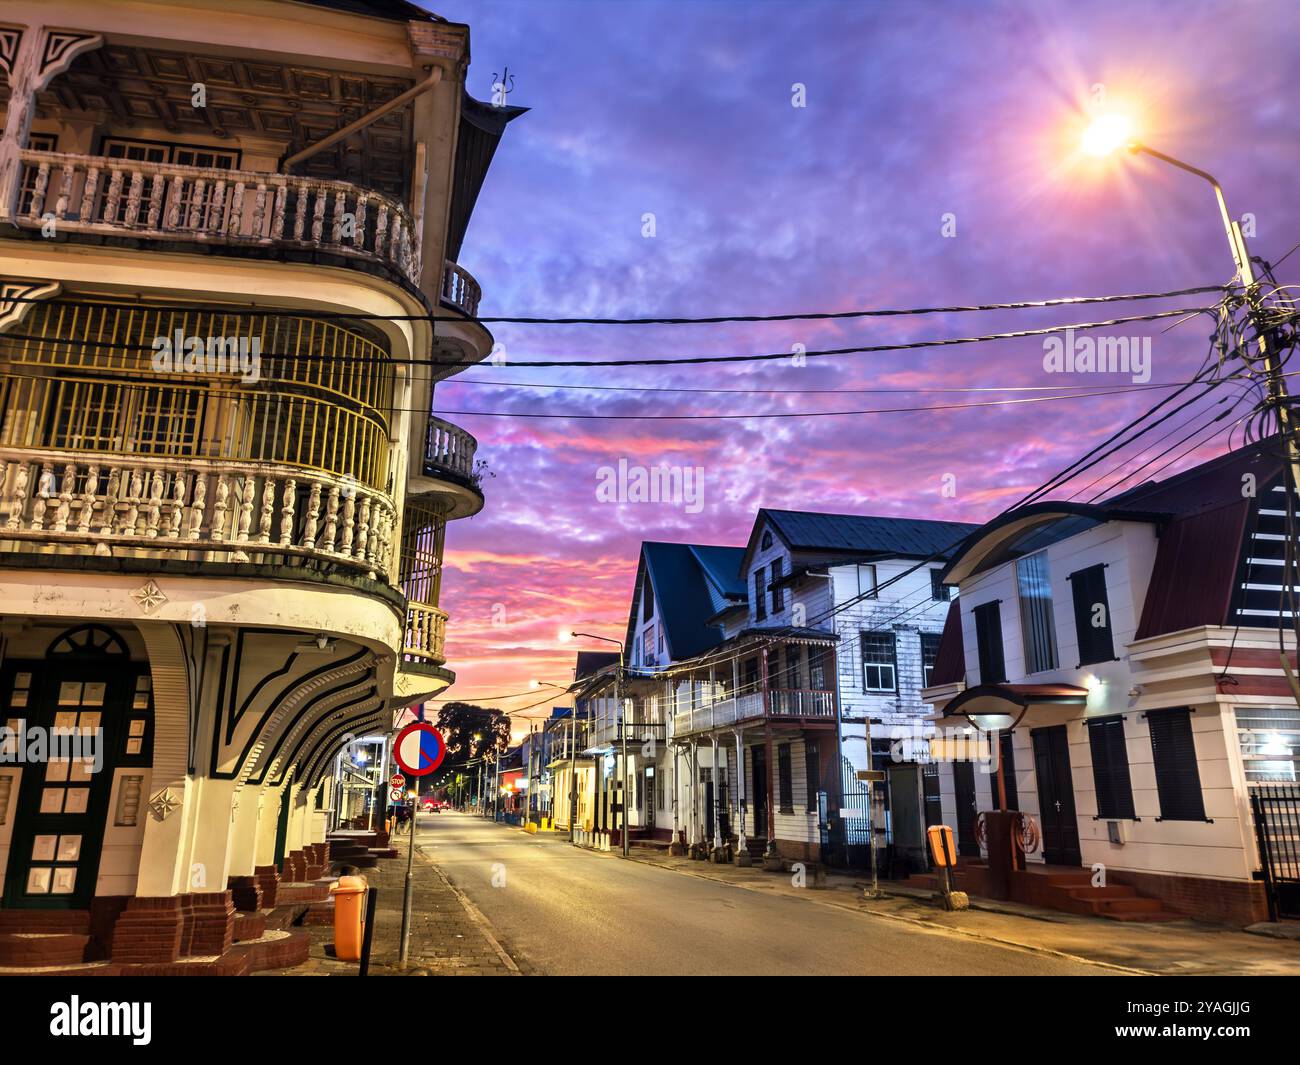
(1108, 134)
(1111, 132)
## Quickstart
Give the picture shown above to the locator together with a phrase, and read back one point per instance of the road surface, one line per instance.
(560, 910)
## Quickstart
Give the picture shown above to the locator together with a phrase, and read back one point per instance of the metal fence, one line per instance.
(1276, 812)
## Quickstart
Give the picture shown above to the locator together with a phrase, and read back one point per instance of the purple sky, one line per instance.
(914, 111)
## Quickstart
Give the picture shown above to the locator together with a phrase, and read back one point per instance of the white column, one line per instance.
(211, 825)
(268, 817)
(243, 842)
(740, 790)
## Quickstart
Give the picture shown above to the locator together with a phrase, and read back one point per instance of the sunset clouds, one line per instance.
(918, 117)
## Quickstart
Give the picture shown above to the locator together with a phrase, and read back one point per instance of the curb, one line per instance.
(475, 914)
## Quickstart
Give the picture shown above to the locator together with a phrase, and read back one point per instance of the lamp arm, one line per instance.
(1236, 242)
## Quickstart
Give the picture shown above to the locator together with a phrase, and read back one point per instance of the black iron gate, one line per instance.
(1276, 810)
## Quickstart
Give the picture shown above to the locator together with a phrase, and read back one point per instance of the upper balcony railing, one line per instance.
(120, 197)
(426, 635)
(781, 702)
(459, 289)
(448, 449)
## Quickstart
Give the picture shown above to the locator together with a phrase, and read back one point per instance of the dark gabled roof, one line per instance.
(1202, 515)
(589, 662)
(858, 535)
(691, 583)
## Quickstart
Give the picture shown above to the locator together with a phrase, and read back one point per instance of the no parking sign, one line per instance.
(419, 749)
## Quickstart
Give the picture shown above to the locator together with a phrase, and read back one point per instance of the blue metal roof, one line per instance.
(691, 583)
(857, 533)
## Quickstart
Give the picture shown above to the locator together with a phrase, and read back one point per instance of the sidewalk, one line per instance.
(449, 937)
(1174, 948)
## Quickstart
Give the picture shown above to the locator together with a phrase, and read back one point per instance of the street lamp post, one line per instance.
(618, 676)
(1110, 133)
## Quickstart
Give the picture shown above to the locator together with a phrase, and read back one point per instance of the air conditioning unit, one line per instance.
(1115, 832)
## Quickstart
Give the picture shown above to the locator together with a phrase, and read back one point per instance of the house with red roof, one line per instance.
(1117, 672)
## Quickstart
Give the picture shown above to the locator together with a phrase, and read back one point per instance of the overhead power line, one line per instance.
(688, 360)
(788, 414)
(235, 308)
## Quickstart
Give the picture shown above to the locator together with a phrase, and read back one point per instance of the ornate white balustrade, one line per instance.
(459, 289)
(196, 511)
(95, 194)
(449, 449)
(426, 635)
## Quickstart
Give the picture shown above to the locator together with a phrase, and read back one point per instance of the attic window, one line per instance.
(767, 541)
(647, 599)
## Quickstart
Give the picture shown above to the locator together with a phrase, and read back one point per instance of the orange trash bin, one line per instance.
(349, 916)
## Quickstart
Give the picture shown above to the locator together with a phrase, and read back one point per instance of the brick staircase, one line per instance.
(43, 938)
(1060, 888)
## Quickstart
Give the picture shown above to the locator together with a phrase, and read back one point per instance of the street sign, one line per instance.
(396, 795)
(397, 780)
(874, 776)
(419, 749)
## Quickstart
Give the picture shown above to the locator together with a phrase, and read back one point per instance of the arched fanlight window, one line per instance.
(91, 641)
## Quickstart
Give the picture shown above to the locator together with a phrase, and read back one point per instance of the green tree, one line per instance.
(471, 731)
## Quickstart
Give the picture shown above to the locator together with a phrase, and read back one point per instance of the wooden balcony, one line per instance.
(782, 703)
(225, 208)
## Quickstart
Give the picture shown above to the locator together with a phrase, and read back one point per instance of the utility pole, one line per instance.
(573, 770)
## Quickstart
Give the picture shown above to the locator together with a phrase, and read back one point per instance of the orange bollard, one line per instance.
(349, 916)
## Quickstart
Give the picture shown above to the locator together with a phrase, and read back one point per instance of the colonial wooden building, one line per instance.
(1126, 661)
(228, 244)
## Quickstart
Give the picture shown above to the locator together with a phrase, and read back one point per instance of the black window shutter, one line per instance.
(988, 637)
(785, 779)
(760, 602)
(1088, 587)
(1110, 767)
(813, 771)
(778, 594)
(1178, 780)
(1008, 757)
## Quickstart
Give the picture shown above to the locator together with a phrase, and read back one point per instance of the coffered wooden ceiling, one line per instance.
(144, 91)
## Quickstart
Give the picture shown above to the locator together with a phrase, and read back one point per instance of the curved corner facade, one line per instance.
(222, 511)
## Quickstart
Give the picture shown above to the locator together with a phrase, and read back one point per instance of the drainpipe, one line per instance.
(435, 76)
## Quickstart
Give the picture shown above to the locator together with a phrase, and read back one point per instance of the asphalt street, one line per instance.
(561, 910)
